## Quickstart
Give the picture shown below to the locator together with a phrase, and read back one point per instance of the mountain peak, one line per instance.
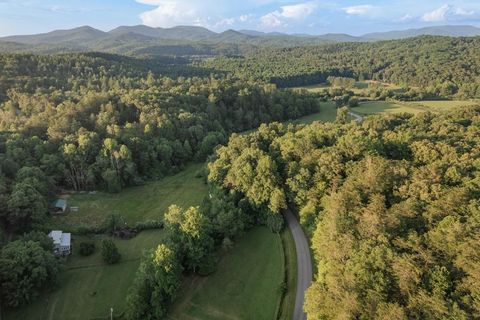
(88, 37)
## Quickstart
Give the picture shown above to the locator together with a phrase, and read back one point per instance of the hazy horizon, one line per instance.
(314, 17)
(253, 30)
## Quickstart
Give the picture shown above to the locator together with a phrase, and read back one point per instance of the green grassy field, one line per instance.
(328, 113)
(314, 88)
(441, 105)
(359, 89)
(245, 285)
(136, 203)
(288, 303)
(409, 107)
(373, 107)
(88, 288)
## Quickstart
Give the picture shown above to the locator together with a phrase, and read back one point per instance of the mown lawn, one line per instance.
(88, 288)
(245, 285)
(137, 203)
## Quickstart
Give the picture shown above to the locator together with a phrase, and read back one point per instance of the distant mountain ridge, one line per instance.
(127, 39)
(449, 31)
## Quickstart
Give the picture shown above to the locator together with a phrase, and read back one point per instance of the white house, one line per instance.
(61, 243)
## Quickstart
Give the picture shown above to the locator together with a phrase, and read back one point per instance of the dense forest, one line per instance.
(391, 206)
(433, 63)
(79, 116)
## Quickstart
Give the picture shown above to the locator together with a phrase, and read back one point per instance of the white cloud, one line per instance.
(359, 10)
(279, 17)
(271, 20)
(446, 12)
(464, 12)
(170, 14)
(437, 15)
(245, 17)
(228, 22)
(407, 17)
(298, 11)
(214, 14)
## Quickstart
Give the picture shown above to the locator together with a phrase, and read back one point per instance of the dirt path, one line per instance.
(304, 264)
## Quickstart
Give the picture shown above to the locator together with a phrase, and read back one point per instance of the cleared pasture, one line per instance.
(88, 288)
(246, 284)
(135, 204)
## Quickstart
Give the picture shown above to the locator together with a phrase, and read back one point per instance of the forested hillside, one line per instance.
(437, 64)
(195, 40)
(84, 108)
(391, 205)
(90, 122)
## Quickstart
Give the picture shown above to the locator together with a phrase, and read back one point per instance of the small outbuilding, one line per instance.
(59, 206)
(62, 243)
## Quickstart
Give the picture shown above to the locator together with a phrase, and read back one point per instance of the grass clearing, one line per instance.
(88, 288)
(413, 107)
(374, 107)
(359, 88)
(137, 203)
(288, 303)
(245, 285)
(313, 88)
(328, 113)
(442, 105)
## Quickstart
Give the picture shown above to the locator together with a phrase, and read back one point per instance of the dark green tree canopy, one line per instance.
(391, 206)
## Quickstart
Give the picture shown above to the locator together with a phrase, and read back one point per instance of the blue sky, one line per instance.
(312, 16)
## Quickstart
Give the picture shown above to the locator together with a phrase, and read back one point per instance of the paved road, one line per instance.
(357, 117)
(304, 264)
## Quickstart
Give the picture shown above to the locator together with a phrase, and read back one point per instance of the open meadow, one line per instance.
(88, 288)
(246, 284)
(414, 107)
(136, 204)
(327, 113)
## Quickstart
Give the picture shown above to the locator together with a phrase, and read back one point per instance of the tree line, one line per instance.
(440, 65)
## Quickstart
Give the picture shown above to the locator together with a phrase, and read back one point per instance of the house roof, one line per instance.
(59, 203)
(66, 238)
(60, 238)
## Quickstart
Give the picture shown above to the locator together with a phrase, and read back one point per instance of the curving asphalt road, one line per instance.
(304, 264)
(357, 117)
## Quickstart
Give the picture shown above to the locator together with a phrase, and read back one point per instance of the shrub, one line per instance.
(86, 248)
(208, 266)
(353, 102)
(275, 222)
(282, 288)
(149, 225)
(113, 222)
(110, 252)
(84, 230)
